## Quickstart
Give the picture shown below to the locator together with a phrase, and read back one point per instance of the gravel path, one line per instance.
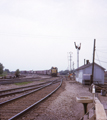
(65, 106)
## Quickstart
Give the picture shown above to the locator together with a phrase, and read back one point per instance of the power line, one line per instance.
(101, 48)
(98, 58)
(70, 53)
(70, 59)
(101, 51)
(101, 61)
(103, 57)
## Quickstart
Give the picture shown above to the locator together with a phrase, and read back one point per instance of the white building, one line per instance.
(84, 73)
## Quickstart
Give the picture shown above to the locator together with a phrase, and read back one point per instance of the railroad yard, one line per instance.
(61, 105)
(53, 63)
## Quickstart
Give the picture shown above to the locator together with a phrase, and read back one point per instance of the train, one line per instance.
(52, 72)
(43, 72)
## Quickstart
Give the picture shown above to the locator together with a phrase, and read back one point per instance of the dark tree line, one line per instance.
(17, 73)
(65, 72)
(1, 68)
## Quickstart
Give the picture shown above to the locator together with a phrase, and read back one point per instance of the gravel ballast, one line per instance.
(62, 104)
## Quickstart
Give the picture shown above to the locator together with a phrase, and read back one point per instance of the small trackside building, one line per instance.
(84, 73)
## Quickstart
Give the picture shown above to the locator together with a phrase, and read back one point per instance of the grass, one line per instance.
(1, 75)
(41, 80)
(4, 74)
(23, 83)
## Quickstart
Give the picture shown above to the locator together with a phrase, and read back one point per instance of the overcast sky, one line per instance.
(39, 34)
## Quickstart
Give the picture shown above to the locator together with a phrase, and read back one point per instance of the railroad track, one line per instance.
(18, 90)
(15, 93)
(18, 80)
(13, 109)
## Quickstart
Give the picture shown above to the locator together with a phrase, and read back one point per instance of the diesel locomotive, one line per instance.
(54, 71)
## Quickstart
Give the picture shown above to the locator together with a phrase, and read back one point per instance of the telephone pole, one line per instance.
(78, 48)
(70, 59)
(93, 62)
(73, 66)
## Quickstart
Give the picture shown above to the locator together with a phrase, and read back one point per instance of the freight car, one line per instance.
(54, 71)
(43, 72)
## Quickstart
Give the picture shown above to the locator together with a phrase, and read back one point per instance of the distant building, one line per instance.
(83, 73)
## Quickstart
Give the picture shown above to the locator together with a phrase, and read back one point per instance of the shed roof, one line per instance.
(87, 65)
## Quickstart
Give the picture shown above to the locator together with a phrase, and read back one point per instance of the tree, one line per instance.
(7, 70)
(1, 68)
(17, 73)
(65, 72)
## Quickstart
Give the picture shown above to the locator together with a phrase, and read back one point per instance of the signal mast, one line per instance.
(78, 48)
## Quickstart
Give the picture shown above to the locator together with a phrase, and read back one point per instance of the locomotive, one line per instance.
(54, 71)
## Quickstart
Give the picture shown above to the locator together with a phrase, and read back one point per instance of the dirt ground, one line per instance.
(62, 105)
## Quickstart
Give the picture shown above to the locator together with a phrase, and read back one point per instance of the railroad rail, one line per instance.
(12, 91)
(18, 80)
(101, 87)
(25, 94)
(98, 88)
(23, 105)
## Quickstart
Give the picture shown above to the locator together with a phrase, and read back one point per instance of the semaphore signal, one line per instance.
(78, 48)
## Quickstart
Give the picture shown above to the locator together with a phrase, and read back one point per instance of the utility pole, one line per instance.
(93, 62)
(70, 59)
(73, 66)
(78, 48)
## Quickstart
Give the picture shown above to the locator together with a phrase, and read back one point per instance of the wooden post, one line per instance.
(93, 61)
